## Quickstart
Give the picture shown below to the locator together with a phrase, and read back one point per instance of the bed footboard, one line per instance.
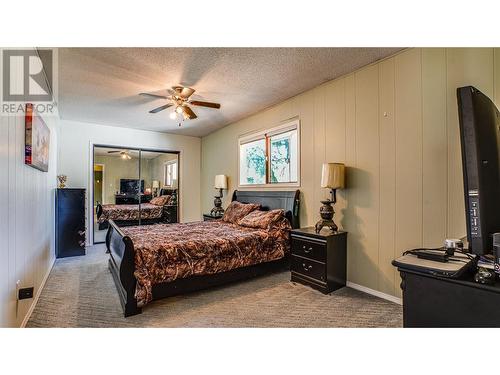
(121, 264)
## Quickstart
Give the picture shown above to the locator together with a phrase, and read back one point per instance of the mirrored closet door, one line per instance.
(133, 187)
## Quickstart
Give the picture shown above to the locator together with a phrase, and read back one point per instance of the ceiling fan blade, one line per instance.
(113, 152)
(187, 92)
(156, 110)
(154, 95)
(205, 104)
(188, 113)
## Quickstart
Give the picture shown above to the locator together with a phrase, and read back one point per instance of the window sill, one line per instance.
(271, 186)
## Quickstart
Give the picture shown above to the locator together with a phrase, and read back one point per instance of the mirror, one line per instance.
(133, 187)
(159, 171)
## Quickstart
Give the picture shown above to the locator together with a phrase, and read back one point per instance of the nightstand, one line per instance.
(170, 214)
(208, 217)
(319, 260)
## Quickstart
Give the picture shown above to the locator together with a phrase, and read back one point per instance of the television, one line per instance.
(130, 186)
(480, 140)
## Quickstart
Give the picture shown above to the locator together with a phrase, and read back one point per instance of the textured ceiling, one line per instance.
(101, 85)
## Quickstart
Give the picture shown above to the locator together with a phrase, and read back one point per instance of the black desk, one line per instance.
(431, 301)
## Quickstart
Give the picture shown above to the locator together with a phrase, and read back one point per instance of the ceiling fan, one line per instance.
(179, 97)
(123, 154)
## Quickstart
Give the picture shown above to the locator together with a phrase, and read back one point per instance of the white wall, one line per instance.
(75, 155)
(116, 168)
(26, 218)
(395, 125)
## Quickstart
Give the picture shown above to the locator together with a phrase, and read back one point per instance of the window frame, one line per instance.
(266, 134)
(166, 165)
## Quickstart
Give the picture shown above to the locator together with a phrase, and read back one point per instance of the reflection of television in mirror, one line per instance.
(480, 139)
(130, 186)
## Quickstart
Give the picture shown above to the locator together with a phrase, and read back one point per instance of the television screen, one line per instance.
(130, 186)
(480, 139)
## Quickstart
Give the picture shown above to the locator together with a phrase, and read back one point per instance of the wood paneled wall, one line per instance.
(26, 218)
(395, 125)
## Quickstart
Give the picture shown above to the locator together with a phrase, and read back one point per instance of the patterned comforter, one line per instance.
(130, 212)
(166, 252)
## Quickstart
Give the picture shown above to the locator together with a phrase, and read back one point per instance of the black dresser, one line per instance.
(70, 222)
(431, 301)
(132, 199)
(319, 259)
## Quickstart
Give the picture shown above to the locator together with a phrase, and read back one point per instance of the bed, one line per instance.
(129, 214)
(157, 261)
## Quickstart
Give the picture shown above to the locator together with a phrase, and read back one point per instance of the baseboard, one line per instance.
(375, 293)
(37, 296)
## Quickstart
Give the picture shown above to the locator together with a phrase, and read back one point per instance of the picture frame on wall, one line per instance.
(37, 140)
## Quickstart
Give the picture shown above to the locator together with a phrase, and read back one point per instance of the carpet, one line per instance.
(80, 293)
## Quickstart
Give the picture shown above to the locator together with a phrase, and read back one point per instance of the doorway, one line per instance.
(99, 184)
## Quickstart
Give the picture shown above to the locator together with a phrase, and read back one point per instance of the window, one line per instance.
(270, 157)
(170, 173)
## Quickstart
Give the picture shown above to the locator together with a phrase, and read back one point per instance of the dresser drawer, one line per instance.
(309, 249)
(309, 268)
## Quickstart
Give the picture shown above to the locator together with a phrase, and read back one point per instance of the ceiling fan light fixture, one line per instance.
(173, 115)
(178, 109)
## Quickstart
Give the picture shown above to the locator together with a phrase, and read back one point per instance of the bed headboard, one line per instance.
(271, 200)
(165, 191)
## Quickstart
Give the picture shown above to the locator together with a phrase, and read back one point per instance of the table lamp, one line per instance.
(333, 178)
(156, 186)
(221, 184)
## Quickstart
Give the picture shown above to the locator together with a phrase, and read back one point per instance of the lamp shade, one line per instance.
(333, 176)
(156, 184)
(220, 181)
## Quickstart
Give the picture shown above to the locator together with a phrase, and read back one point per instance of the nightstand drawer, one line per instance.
(309, 249)
(309, 268)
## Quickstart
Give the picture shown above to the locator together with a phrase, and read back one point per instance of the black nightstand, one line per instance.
(208, 217)
(170, 214)
(319, 260)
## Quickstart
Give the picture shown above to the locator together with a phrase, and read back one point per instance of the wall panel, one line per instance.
(387, 145)
(367, 173)
(496, 76)
(319, 142)
(349, 217)
(435, 164)
(26, 216)
(408, 125)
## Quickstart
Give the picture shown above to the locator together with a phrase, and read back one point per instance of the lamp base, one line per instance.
(326, 211)
(326, 223)
(217, 211)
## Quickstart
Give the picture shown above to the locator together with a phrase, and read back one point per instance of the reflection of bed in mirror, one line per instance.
(127, 183)
(161, 209)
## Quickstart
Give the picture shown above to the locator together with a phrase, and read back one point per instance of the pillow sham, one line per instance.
(262, 219)
(237, 210)
(160, 201)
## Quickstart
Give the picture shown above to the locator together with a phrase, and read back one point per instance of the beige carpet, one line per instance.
(80, 293)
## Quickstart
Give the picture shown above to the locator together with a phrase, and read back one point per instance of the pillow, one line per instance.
(262, 219)
(160, 201)
(237, 211)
